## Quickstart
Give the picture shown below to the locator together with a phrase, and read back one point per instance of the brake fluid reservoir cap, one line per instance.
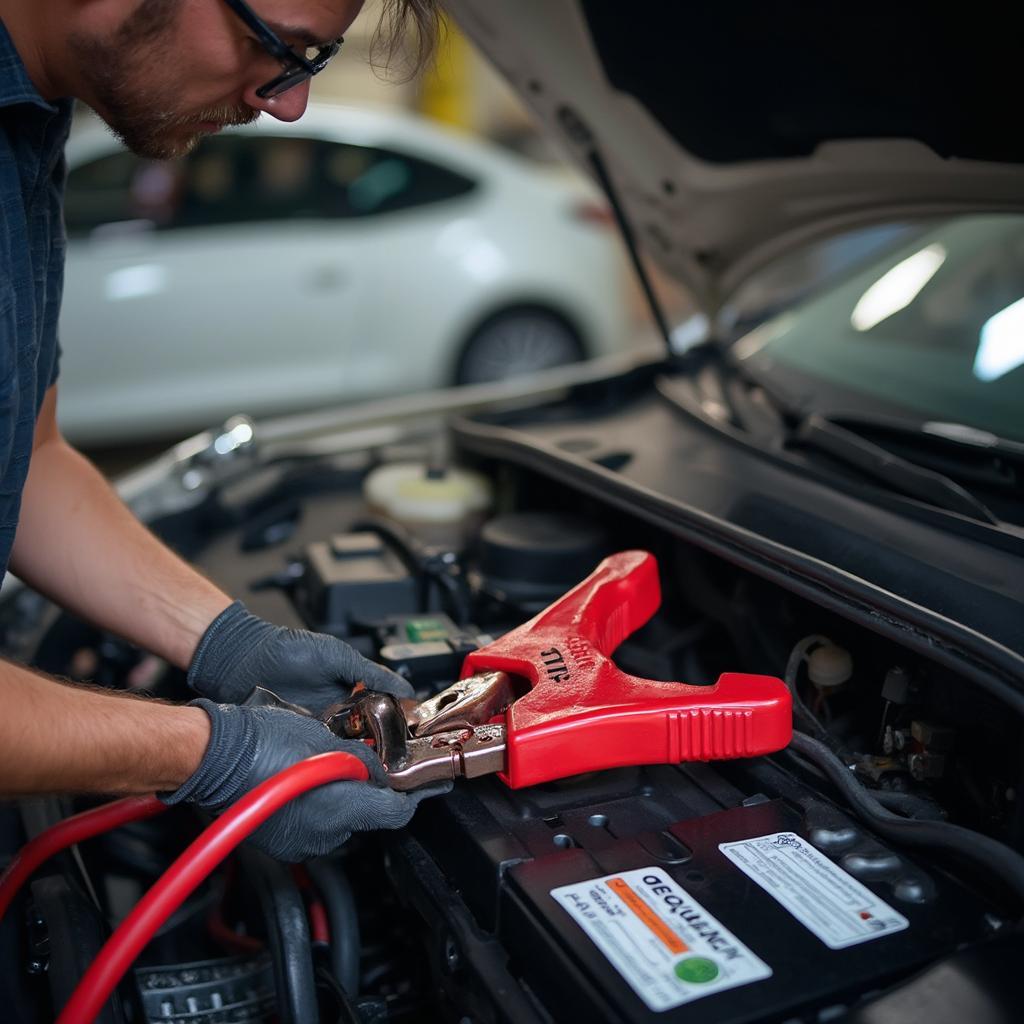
(413, 492)
(829, 666)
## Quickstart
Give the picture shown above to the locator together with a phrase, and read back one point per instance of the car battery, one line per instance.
(693, 893)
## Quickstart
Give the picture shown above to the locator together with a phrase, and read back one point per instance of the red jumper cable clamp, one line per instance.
(545, 701)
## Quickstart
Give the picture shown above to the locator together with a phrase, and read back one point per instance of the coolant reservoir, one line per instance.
(441, 505)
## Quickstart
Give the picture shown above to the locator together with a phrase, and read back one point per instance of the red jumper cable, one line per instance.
(191, 867)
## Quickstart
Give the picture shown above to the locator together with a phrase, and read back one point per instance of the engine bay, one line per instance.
(795, 903)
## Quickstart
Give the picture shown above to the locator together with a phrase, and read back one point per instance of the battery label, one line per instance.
(668, 948)
(818, 893)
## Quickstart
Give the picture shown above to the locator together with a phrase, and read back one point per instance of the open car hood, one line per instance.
(736, 132)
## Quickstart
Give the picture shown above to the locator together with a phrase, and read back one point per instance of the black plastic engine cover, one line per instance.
(503, 851)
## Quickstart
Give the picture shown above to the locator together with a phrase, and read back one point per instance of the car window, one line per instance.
(115, 188)
(809, 269)
(361, 181)
(235, 179)
(936, 328)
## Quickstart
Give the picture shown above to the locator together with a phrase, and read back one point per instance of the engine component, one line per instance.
(427, 649)
(829, 667)
(529, 558)
(354, 577)
(333, 885)
(442, 505)
(999, 861)
(206, 992)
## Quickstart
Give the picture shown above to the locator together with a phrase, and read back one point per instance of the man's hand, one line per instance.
(248, 745)
(240, 651)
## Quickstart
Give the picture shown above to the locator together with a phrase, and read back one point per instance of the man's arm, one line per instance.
(61, 738)
(79, 545)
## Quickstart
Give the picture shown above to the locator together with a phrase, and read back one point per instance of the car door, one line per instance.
(217, 283)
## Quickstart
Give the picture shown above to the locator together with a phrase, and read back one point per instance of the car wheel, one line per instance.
(516, 342)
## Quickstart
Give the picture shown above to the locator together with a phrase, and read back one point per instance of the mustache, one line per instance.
(217, 115)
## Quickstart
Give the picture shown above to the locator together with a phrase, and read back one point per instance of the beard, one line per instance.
(124, 74)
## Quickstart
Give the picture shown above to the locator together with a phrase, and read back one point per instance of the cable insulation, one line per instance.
(75, 829)
(191, 867)
(969, 846)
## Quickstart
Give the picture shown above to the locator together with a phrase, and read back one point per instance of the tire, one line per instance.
(516, 342)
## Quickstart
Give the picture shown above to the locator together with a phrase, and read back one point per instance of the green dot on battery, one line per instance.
(697, 970)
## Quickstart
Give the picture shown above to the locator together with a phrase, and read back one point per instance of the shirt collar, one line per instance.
(15, 85)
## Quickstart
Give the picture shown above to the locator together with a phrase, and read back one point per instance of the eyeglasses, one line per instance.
(298, 67)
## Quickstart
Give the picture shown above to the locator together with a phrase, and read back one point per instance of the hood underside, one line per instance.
(734, 133)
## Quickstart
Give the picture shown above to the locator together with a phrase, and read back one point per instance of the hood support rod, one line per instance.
(608, 187)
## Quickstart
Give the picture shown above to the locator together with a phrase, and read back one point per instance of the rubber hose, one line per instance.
(909, 805)
(336, 891)
(284, 914)
(964, 843)
(347, 1013)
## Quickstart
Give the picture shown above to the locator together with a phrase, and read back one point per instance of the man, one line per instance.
(161, 73)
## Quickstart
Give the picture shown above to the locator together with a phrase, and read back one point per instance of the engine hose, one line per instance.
(192, 866)
(75, 829)
(288, 936)
(329, 878)
(909, 805)
(973, 847)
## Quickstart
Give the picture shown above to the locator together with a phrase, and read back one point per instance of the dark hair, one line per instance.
(398, 18)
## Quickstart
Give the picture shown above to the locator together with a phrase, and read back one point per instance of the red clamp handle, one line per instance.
(583, 713)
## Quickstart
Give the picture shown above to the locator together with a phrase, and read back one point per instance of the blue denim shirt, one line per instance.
(32, 136)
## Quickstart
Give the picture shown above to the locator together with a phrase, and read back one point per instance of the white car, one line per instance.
(353, 254)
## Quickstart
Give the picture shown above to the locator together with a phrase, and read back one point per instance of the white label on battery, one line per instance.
(659, 938)
(819, 894)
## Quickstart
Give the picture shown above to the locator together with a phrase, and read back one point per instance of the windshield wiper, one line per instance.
(916, 481)
(957, 442)
(744, 409)
(838, 437)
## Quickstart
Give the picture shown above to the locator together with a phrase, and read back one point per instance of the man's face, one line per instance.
(170, 71)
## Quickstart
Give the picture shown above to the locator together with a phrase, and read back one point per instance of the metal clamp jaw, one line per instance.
(434, 740)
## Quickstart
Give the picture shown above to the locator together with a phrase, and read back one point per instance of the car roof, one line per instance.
(364, 125)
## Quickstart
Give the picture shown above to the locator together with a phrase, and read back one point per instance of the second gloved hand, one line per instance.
(240, 651)
(248, 745)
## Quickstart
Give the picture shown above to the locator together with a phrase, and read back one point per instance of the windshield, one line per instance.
(935, 329)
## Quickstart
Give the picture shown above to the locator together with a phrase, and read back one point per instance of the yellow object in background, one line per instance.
(445, 93)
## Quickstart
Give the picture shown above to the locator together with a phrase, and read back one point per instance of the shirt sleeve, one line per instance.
(55, 370)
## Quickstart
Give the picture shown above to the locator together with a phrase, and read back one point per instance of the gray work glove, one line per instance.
(248, 745)
(240, 651)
